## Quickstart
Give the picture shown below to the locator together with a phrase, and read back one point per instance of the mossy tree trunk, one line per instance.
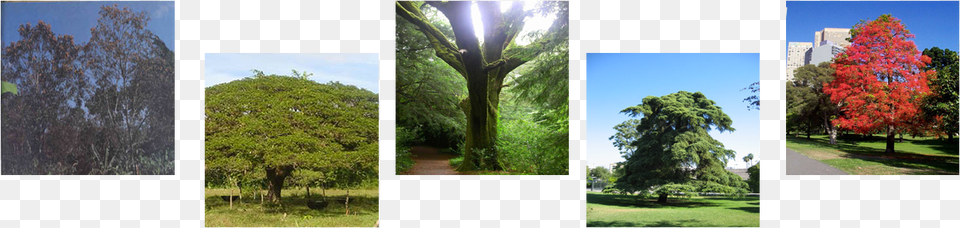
(484, 67)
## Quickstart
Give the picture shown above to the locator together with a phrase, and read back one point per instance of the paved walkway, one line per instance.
(798, 164)
(429, 161)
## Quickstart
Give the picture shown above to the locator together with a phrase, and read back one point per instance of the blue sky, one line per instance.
(361, 70)
(76, 18)
(934, 23)
(617, 81)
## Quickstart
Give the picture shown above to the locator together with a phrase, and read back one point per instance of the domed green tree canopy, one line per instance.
(279, 124)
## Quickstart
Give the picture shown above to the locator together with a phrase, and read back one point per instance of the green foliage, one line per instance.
(405, 138)
(600, 172)
(754, 180)
(943, 104)
(454, 162)
(326, 132)
(626, 134)
(676, 190)
(675, 147)
(610, 189)
(8, 88)
(809, 109)
(528, 147)
(428, 91)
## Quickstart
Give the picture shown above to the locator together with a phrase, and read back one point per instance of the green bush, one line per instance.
(528, 147)
(405, 138)
(455, 162)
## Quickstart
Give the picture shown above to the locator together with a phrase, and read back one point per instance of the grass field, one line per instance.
(364, 210)
(607, 210)
(914, 156)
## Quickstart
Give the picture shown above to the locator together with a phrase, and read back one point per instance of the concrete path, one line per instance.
(429, 161)
(798, 164)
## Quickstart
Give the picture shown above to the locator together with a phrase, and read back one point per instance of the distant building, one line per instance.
(827, 43)
(825, 52)
(798, 54)
(741, 172)
(838, 36)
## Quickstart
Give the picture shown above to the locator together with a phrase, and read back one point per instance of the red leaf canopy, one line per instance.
(880, 80)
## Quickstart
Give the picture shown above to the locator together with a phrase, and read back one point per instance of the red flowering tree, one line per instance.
(880, 79)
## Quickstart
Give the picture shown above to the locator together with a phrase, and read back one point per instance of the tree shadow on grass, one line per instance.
(755, 210)
(296, 205)
(940, 164)
(639, 202)
(661, 223)
(731, 198)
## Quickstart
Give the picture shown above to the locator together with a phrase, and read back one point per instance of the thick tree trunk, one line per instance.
(662, 198)
(484, 68)
(275, 177)
(891, 136)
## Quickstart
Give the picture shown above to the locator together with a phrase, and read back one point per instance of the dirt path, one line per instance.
(429, 161)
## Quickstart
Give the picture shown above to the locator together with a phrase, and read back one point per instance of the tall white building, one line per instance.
(798, 54)
(838, 36)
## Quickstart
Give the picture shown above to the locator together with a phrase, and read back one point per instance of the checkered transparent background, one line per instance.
(367, 26)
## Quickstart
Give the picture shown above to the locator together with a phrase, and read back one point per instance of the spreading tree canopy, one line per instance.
(278, 124)
(880, 79)
(484, 65)
(674, 151)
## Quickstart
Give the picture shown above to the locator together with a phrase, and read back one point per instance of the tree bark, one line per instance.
(275, 177)
(347, 202)
(891, 135)
(831, 131)
(662, 198)
(484, 68)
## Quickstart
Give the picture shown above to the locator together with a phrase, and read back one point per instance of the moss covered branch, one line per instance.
(445, 50)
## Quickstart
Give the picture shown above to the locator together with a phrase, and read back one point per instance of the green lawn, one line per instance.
(607, 210)
(914, 156)
(364, 210)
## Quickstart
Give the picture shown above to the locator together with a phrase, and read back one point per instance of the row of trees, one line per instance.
(101, 107)
(503, 105)
(268, 131)
(881, 83)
